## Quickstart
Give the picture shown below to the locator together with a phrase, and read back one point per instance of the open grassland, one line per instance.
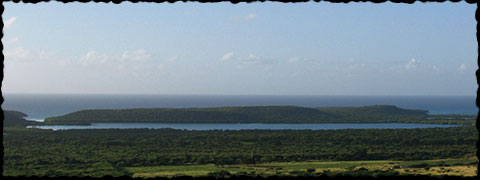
(466, 167)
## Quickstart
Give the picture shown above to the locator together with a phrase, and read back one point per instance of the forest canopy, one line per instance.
(246, 114)
(108, 151)
(14, 118)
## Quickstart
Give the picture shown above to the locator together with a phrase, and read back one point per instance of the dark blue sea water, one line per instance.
(232, 126)
(40, 106)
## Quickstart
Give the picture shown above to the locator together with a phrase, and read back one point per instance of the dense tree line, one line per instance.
(14, 118)
(449, 119)
(35, 151)
(247, 114)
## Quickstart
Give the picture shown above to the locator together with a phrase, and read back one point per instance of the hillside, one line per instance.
(383, 113)
(14, 118)
(250, 114)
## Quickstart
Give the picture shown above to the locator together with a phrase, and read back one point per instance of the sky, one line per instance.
(267, 48)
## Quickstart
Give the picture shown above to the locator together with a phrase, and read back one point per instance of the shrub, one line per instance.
(220, 174)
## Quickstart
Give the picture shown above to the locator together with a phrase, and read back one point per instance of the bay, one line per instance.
(244, 126)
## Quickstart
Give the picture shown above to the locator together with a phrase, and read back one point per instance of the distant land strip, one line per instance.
(244, 114)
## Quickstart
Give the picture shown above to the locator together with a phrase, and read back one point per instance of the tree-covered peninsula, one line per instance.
(247, 114)
(14, 118)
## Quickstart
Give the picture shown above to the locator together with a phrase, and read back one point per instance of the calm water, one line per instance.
(40, 106)
(227, 126)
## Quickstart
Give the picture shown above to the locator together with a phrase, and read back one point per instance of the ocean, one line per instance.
(40, 106)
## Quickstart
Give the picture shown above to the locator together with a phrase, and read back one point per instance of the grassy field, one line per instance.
(451, 167)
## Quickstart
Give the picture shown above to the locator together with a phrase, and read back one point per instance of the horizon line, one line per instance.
(152, 94)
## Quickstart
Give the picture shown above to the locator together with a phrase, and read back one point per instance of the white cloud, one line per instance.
(7, 23)
(351, 67)
(245, 18)
(13, 40)
(42, 55)
(250, 16)
(121, 67)
(19, 57)
(294, 59)
(435, 68)
(257, 60)
(251, 56)
(462, 67)
(351, 60)
(412, 64)
(227, 56)
(172, 59)
(298, 59)
(161, 67)
(137, 55)
(19, 53)
(93, 57)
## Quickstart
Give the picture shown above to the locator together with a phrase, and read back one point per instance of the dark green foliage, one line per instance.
(14, 118)
(421, 165)
(450, 119)
(376, 112)
(35, 151)
(366, 173)
(251, 114)
(302, 173)
(220, 174)
(97, 169)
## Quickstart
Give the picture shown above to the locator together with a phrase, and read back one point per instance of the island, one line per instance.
(245, 114)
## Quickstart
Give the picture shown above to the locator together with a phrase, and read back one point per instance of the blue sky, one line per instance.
(257, 48)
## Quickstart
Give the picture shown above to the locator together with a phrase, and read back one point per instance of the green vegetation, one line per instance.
(251, 114)
(130, 151)
(451, 167)
(375, 112)
(217, 153)
(450, 119)
(14, 118)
